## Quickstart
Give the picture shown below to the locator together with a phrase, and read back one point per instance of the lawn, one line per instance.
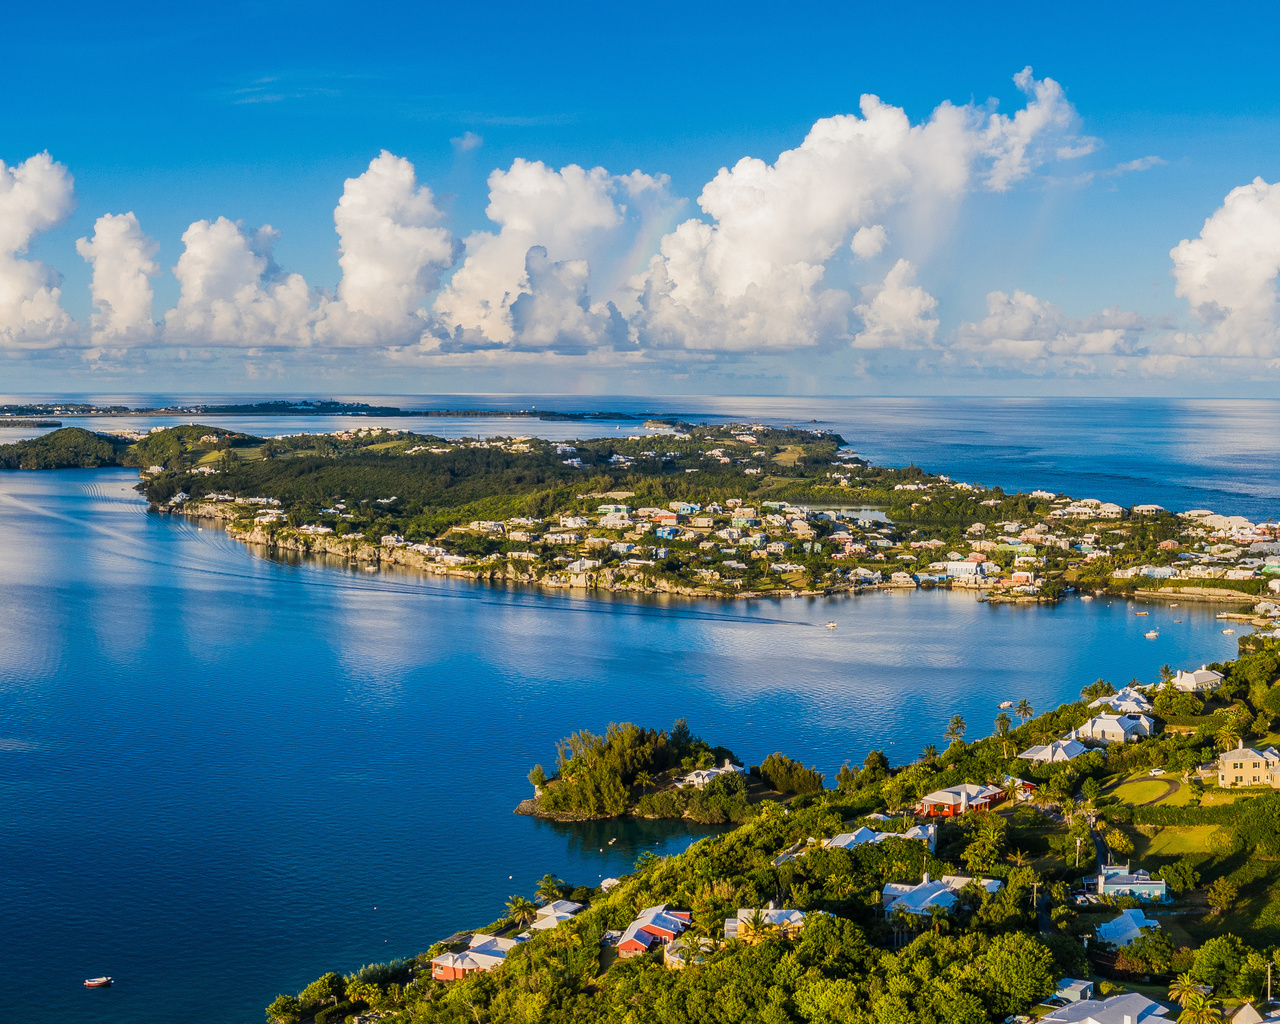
(1173, 842)
(1139, 791)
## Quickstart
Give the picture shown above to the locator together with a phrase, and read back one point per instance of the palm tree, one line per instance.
(549, 888)
(929, 754)
(1003, 724)
(1183, 988)
(1200, 1009)
(1018, 859)
(1228, 738)
(521, 910)
(644, 780)
(955, 730)
(759, 926)
(1166, 675)
(941, 919)
(1024, 711)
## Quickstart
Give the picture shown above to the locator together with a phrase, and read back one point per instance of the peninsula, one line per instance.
(734, 510)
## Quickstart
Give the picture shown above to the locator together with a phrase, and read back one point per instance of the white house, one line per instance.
(1074, 990)
(1203, 678)
(1114, 729)
(484, 954)
(1130, 1008)
(699, 779)
(1129, 700)
(1058, 750)
(917, 899)
(927, 834)
(554, 914)
(1125, 928)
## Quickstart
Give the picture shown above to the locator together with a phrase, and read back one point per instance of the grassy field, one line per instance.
(1140, 790)
(1173, 842)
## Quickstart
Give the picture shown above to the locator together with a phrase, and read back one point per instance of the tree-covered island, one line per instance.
(719, 510)
(1148, 870)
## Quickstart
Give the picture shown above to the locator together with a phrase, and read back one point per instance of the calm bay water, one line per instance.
(222, 775)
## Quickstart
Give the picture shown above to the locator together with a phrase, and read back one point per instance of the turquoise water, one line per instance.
(222, 775)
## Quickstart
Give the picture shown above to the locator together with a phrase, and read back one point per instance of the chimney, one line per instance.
(1128, 1018)
(925, 881)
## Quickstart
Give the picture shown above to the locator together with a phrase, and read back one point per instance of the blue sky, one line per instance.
(264, 113)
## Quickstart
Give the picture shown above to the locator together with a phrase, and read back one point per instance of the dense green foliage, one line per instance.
(68, 448)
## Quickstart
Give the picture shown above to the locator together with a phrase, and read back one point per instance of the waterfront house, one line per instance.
(1128, 700)
(1118, 880)
(1125, 928)
(1245, 766)
(944, 893)
(554, 914)
(1203, 678)
(780, 921)
(698, 779)
(1130, 1008)
(652, 927)
(1114, 729)
(484, 953)
(1058, 750)
(959, 799)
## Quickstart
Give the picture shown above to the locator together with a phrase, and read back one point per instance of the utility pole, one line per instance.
(1078, 842)
(1035, 894)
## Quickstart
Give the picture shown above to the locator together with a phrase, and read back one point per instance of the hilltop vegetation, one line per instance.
(68, 448)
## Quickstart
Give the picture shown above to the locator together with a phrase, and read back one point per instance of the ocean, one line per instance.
(222, 775)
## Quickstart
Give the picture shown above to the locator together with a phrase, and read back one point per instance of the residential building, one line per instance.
(554, 914)
(780, 921)
(1114, 729)
(1128, 700)
(958, 799)
(698, 779)
(944, 893)
(1125, 928)
(1058, 750)
(1203, 678)
(1130, 1008)
(1245, 766)
(653, 927)
(484, 953)
(927, 834)
(1118, 880)
(1074, 990)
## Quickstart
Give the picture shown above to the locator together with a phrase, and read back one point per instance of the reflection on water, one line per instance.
(240, 758)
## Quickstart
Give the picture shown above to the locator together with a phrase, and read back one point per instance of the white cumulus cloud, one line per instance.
(900, 314)
(232, 293)
(121, 257)
(1023, 327)
(1228, 275)
(752, 276)
(34, 196)
(393, 252)
(868, 242)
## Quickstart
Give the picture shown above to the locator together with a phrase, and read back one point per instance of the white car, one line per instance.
(1156, 771)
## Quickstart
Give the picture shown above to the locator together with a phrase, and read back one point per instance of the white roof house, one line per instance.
(1114, 729)
(1125, 928)
(699, 778)
(958, 799)
(917, 899)
(1073, 990)
(484, 954)
(1203, 678)
(784, 919)
(554, 913)
(1245, 766)
(1128, 700)
(1130, 1008)
(1058, 750)
(927, 834)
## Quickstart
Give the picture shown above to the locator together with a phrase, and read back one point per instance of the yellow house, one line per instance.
(773, 921)
(1245, 766)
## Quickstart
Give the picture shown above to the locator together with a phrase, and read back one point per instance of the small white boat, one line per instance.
(831, 625)
(97, 982)
(1229, 632)
(1152, 634)
(1174, 605)
(1086, 597)
(1004, 704)
(1177, 620)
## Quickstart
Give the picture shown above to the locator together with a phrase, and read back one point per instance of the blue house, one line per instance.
(1117, 880)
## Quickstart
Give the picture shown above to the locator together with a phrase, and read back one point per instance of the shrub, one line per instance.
(788, 776)
(334, 1013)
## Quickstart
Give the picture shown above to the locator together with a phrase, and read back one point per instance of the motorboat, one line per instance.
(831, 625)
(1152, 634)
(97, 982)
(1228, 632)
(1141, 613)
(1004, 705)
